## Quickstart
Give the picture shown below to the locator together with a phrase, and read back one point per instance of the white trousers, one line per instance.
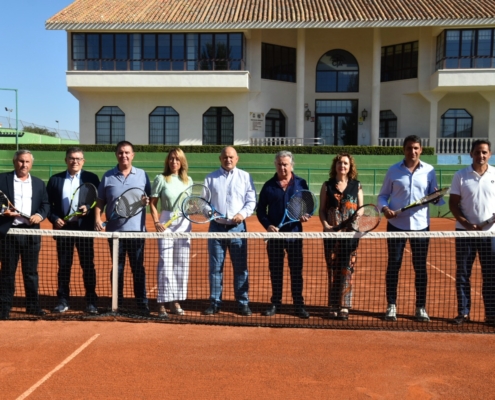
(173, 263)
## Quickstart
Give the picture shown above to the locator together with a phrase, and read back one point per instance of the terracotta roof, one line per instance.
(252, 14)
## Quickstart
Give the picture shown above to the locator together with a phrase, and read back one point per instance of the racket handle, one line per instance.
(490, 220)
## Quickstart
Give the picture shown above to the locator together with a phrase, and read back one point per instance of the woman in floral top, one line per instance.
(340, 196)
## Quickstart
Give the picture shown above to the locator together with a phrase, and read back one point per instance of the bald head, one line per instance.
(228, 158)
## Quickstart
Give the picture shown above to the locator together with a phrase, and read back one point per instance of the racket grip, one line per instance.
(490, 220)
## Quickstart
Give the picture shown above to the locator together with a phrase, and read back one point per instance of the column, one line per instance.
(490, 97)
(375, 87)
(301, 61)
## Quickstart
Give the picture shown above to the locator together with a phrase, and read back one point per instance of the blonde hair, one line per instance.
(183, 165)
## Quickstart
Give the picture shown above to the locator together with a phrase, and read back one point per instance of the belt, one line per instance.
(226, 226)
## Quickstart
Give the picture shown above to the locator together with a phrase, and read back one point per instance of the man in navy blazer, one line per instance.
(60, 189)
(28, 194)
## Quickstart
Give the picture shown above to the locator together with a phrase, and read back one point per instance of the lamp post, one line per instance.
(9, 110)
(58, 128)
(16, 118)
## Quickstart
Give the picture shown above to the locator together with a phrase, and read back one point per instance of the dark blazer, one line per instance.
(39, 206)
(55, 189)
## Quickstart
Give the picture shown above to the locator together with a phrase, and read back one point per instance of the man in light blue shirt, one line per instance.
(233, 195)
(404, 183)
(115, 182)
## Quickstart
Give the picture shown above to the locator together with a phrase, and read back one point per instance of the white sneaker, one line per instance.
(422, 315)
(391, 313)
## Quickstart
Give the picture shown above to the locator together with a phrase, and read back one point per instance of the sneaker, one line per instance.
(460, 319)
(175, 308)
(91, 309)
(391, 313)
(61, 308)
(421, 315)
(162, 313)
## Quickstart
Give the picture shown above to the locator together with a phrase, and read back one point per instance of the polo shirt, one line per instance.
(112, 185)
(477, 195)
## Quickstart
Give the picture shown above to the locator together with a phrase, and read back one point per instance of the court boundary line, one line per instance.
(57, 368)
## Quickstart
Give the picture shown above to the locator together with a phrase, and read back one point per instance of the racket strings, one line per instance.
(367, 219)
(87, 195)
(197, 209)
(131, 203)
(302, 203)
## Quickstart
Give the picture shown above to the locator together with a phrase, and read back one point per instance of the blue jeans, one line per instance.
(217, 248)
(134, 248)
(419, 250)
(465, 253)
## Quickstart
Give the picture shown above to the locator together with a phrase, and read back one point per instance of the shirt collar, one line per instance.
(225, 172)
(28, 180)
(69, 176)
(420, 165)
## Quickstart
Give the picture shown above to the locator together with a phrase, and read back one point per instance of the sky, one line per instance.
(34, 61)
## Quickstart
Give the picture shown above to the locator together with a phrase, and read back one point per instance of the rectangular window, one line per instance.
(162, 51)
(399, 61)
(466, 48)
(278, 62)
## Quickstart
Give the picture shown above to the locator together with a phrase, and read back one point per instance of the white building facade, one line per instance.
(204, 72)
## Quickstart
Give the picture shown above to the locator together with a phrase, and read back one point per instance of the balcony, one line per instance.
(158, 81)
(444, 145)
(463, 80)
(285, 141)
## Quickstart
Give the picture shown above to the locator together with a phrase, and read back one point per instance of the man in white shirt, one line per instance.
(472, 201)
(28, 194)
(233, 195)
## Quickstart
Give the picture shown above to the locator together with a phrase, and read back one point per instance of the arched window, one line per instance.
(388, 124)
(457, 123)
(337, 71)
(274, 124)
(164, 126)
(218, 126)
(110, 125)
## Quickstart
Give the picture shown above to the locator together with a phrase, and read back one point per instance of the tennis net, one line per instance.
(367, 302)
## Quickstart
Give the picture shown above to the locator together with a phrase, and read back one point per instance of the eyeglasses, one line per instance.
(75, 159)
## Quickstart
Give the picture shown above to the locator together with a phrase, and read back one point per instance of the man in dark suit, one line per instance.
(28, 194)
(60, 189)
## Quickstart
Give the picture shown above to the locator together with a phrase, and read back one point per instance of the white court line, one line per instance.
(152, 290)
(194, 255)
(443, 272)
(62, 364)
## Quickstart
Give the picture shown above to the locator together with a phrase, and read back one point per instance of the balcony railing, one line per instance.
(455, 145)
(390, 142)
(285, 141)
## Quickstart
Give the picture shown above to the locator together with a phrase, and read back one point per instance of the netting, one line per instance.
(340, 271)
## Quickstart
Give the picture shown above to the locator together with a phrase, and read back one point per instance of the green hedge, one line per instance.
(354, 150)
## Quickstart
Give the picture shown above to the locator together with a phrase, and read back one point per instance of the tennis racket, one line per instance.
(129, 204)
(84, 195)
(6, 204)
(197, 190)
(300, 204)
(489, 221)
(436, 195)
(198, 210)
(365, 219)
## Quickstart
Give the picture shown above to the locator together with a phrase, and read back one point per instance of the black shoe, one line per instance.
(343, 315)
(490, 321)
(245, 310)
(36, 311)
(212, 309)
(302, 313)
(91, 309)
(270, 311)
(4, 315)
(460, 319)
(143, 310)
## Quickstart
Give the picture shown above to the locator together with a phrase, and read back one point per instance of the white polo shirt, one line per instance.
(477, 195)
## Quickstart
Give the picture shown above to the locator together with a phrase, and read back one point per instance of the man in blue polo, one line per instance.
(115, 182)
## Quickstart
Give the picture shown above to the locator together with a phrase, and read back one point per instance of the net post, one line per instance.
(115, 272)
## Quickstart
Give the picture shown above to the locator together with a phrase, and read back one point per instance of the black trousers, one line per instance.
(65, 254)
(27, 248)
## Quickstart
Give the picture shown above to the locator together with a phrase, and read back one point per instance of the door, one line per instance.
(336, 122)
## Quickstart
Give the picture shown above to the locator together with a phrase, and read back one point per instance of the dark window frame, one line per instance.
(456, 123)
(281, 119)
(112, 116)
(217, 113)
(387, 130)
(233, 42)
(445, 59)
(399, 64)
(281, 66)
(341, 83)
(165, 118)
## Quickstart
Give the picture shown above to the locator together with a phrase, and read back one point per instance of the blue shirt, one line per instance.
(112, 185)
(274, 199)
(402, 187)
(232, 192)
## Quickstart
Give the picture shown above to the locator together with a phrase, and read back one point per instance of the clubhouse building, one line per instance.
(255, 72)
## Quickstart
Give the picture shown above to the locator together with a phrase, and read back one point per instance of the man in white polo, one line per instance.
(472, 201)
